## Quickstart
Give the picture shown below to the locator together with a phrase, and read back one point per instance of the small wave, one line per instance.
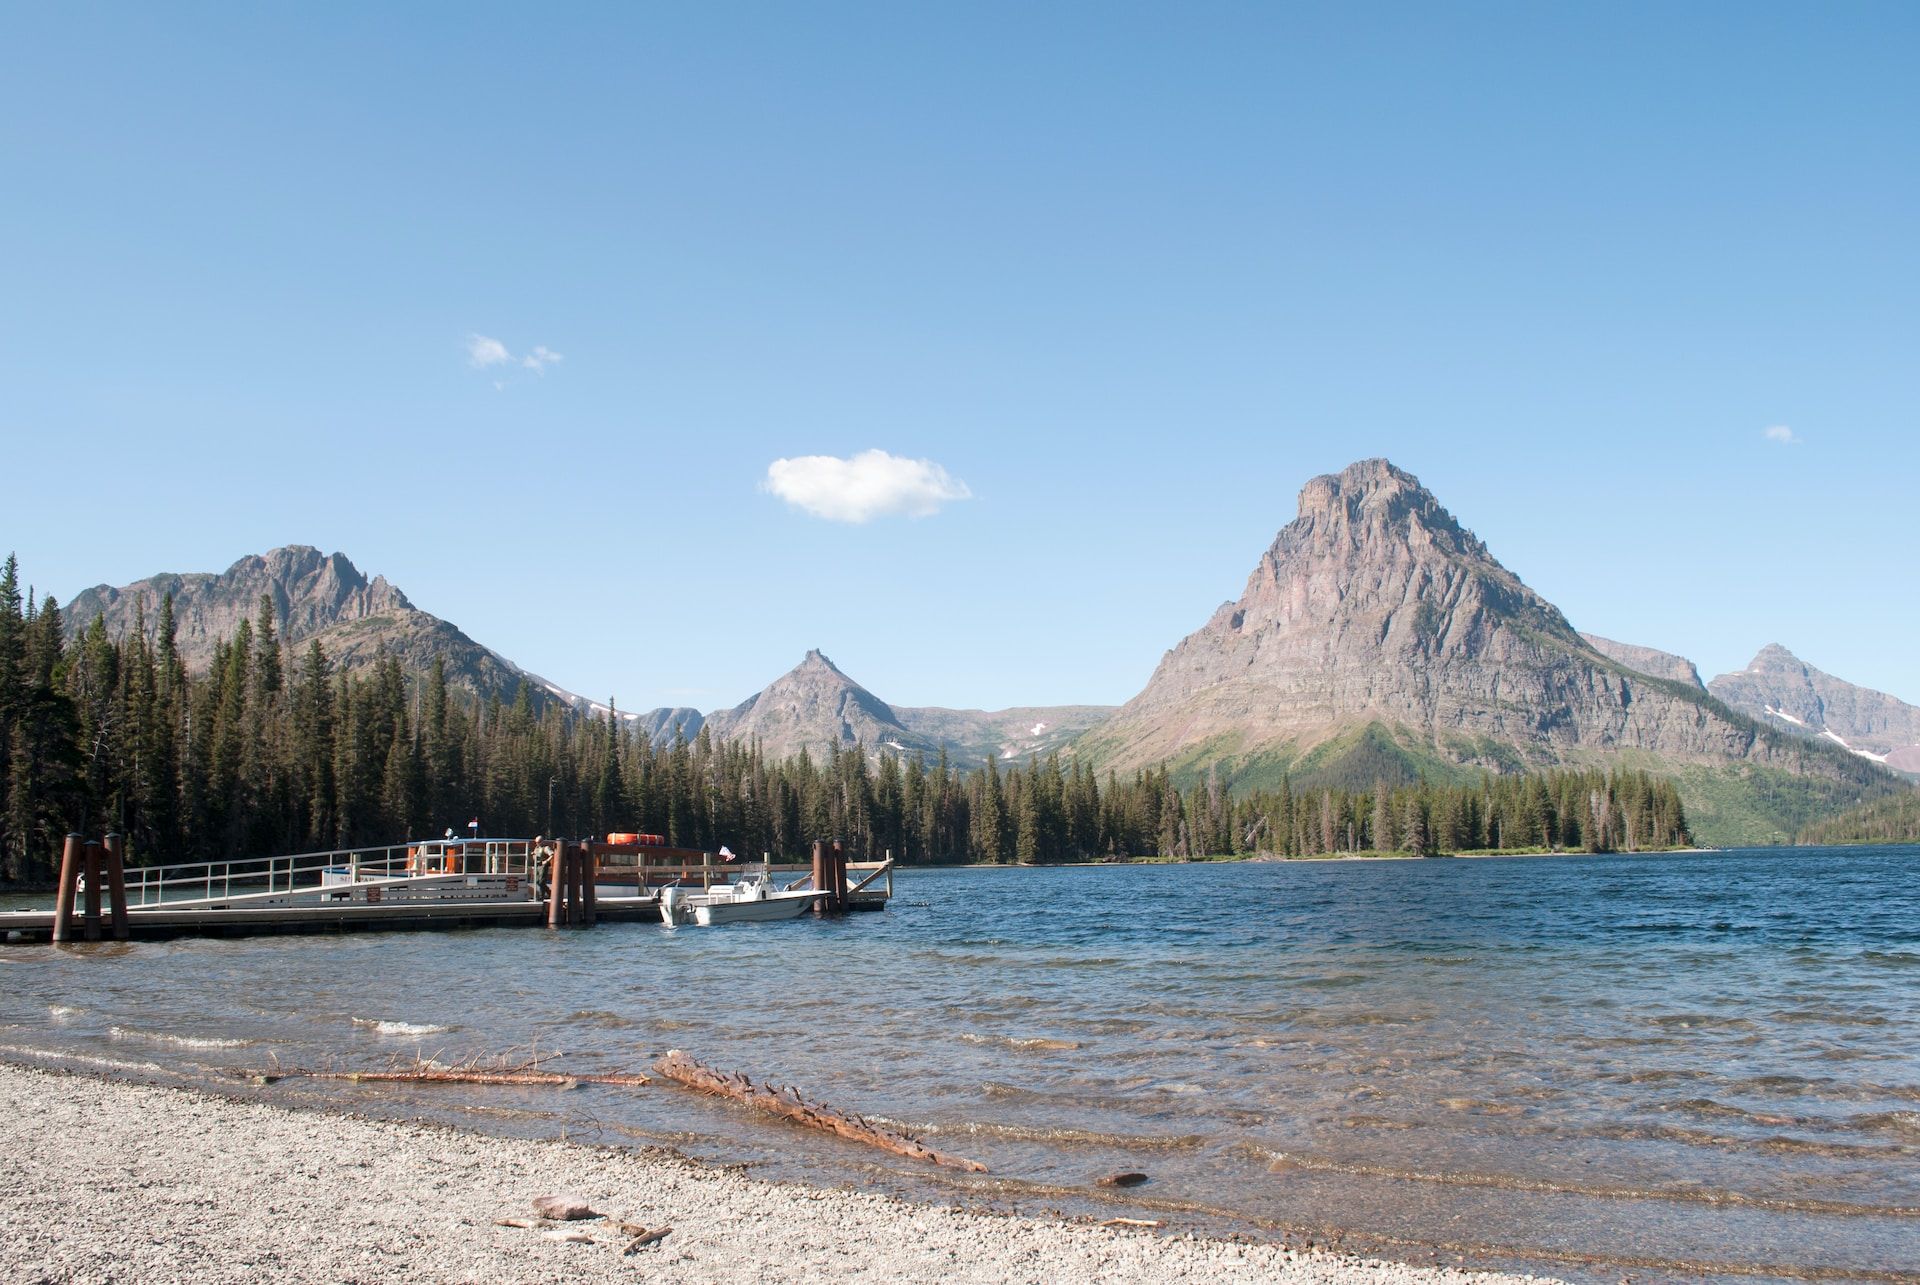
(600, 1017)
(1901, 1124)
(1479, 1106)
(1058, 1135)
(1107, 1025)
(64, 1010)
(177, 1041)
(1377, 1122)
(1828, 1017)
(1026, 1044)
(1727, 1111)
(379, 1027)
(81, 1059)
(1282, 1162)
(1699, 1022)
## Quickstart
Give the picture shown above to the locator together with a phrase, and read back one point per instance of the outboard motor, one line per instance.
(673, 904)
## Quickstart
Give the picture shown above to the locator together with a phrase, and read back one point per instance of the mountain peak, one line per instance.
(814, 706)
(315, 595)
(1372, 500)
(1375, 609)
(816, 661)
(1781, 690)
(1773, 658)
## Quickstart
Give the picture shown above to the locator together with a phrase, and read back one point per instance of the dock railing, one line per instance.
(214, 880)
(210, 880)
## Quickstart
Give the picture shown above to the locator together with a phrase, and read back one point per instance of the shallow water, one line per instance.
(1686, 1064)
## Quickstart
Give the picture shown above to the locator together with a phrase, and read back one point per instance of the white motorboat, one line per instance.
(752, 898)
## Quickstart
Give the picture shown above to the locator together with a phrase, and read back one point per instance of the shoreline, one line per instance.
(116, 1179)
(1270, 859)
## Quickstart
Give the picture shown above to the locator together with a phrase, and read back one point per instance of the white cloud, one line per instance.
(483, 352)
(868, 485)
(540, 358)
(1782, 434)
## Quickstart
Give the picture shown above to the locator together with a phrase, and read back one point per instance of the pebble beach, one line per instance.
(112, 1181)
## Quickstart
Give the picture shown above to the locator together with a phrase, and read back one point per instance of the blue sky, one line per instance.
(1128, 275)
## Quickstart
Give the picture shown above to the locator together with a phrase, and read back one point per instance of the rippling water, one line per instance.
(1692, 1064)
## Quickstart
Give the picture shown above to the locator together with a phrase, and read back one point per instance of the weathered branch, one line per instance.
(787, 1104)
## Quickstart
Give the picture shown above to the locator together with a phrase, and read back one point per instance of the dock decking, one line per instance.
(478, 883)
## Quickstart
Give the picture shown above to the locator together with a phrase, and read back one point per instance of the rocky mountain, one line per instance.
(1377, 637)
(1010, 735)
(1648, 660)
(315, 595)
(1779, 688)
(661, 725)
(813, 706)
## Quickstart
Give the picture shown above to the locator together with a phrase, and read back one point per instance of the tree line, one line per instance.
(1894, 819)
(273, 751)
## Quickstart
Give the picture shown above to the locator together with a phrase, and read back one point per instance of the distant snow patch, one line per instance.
(1781, 713)
(1865, 754)
(1037, 729)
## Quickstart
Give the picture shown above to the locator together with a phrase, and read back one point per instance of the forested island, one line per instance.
(271, 752)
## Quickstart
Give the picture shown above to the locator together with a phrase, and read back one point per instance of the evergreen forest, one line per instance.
(274, 751)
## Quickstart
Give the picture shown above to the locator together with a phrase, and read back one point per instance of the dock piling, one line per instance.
(557, 885)
(116, 846)
(70, 858)
(589, 901)
(820, 883)
(92, 928)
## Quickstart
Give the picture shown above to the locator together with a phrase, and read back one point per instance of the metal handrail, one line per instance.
(151, 885)
(209, 880)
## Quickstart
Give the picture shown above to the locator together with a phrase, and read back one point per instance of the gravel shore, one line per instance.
(108, 1181)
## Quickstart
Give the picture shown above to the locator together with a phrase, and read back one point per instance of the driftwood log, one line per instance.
(645, 1238)
(787, 1104)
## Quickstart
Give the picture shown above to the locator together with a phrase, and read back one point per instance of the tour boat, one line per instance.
(749, 899)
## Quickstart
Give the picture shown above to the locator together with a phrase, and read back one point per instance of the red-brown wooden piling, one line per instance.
(839, 877)
(92, 851)
(591, 904)
(117, 884)
(820, 881)
(70, 858)
(579, 892)
(557, 886)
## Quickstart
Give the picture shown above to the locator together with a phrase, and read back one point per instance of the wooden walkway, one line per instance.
(491, 883)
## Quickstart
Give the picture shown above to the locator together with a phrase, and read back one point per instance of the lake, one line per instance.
(1702, 1063)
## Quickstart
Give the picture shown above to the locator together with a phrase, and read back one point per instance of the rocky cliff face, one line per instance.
(315, 596)
(1648, 660)
(1376, 625)
(1779, 688)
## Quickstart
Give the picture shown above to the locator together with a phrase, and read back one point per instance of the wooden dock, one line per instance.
(475, 883)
